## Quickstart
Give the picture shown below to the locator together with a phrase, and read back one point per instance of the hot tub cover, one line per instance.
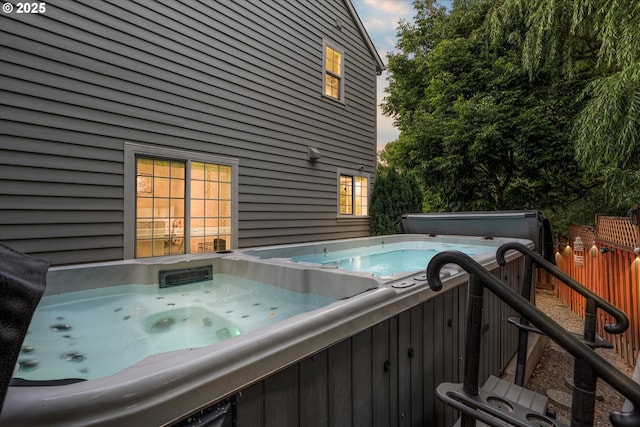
(520, 224)
(22, 283)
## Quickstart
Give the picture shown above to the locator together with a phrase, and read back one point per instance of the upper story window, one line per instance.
(182, 202)
(353, 194)
(333, 72)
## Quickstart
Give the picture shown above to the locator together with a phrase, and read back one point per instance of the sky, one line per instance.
(380, 18)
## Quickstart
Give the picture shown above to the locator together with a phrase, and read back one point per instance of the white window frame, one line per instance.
(131, 151)
(354, 174)
(341, 77)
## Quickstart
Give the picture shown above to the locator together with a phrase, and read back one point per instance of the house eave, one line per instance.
(380, 67)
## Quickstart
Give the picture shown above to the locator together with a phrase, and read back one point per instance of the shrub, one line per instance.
(394, 194)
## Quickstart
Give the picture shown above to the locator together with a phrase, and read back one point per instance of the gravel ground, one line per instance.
(556, 364)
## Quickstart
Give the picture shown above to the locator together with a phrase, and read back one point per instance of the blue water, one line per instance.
(95, 333)
(388, 259)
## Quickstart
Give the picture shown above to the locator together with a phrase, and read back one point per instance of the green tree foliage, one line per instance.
(394, 194)
(475, 129)
(559, 34)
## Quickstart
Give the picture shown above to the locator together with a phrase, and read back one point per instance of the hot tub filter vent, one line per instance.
(185, 276)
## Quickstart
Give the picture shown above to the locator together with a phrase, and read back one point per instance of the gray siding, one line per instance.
(85, 77)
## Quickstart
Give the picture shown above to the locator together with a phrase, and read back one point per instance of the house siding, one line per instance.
(238, 79)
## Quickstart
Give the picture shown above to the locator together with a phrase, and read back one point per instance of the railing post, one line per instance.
(584, 395)
(473, 334)
(472, 343)
(584, 378)
(523, 335)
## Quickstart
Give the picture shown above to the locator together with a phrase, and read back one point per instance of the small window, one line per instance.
(346, 195)
(333, 72)
(353, 195)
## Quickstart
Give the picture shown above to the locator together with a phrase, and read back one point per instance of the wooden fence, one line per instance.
(608, 263)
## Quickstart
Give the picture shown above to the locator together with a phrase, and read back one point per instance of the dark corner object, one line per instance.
(22, 282)
(526, 224)
(221, 414)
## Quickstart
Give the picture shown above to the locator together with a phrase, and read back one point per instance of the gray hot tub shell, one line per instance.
(167, 387)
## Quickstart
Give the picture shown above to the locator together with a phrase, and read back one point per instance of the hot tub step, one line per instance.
(497, 402)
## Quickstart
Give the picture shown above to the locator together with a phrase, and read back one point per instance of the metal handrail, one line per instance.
(584, 378)
(480, 277)
(622, 322)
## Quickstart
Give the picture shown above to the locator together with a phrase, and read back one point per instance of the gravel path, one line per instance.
(556, 364)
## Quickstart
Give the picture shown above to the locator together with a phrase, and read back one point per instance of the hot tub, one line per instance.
(385, 257)
(228, 359)
(125, 373)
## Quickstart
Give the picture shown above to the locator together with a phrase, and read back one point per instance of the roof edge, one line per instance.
(374, 52)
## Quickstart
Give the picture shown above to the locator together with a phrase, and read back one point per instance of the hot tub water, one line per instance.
(389, 259)
(94, 333)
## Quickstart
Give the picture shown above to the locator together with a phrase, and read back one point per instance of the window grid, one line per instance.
(164, 210)
(353, 194)
(346, 195)
(361, 195)
(210, 207)
(160, 186)
(333, 73)
(332, 87)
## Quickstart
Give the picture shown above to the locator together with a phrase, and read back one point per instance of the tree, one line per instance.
(477, 131)
(559, 34)
(394, 194)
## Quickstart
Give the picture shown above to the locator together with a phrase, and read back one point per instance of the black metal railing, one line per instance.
(583, 354)
(584, 378)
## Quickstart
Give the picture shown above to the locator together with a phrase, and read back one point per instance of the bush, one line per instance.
(394, 194)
